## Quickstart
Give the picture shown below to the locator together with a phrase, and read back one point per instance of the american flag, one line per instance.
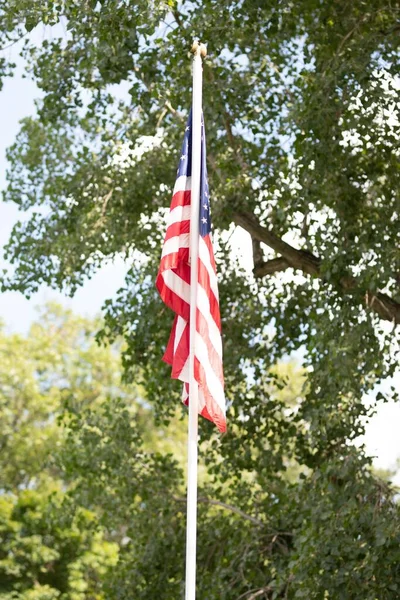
(173, 284)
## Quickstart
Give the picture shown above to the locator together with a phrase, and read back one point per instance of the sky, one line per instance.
(16, 102)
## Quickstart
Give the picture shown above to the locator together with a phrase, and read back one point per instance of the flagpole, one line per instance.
(191, 518)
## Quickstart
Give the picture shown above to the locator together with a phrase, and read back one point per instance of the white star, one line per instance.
(205, 206)
(183, 156)
(187, 128)
(206, 195)
(204, 220)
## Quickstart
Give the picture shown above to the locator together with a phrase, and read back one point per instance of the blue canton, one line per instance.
(185, 168)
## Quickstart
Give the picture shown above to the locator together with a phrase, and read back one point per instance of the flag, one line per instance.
(173, 284)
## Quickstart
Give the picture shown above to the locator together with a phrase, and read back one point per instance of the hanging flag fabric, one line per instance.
(173, 284)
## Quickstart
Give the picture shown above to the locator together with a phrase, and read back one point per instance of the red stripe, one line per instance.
(214, 358)
(207, 240)
(217, 416)
(175, 260)
(172, 300)
(204, 281)
(181, 353)
(178, 263)
(175, 302)
(179, 359)
(214, 412)
(176, 229)
(181, 198)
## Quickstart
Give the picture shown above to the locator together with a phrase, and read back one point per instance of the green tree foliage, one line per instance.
(57, 365)
(80, 456)
(301, 110)
(50, 546)
(51, 549)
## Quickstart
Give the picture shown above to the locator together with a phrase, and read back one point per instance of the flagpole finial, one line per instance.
(199, 49)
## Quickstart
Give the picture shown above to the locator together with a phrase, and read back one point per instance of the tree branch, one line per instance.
(298, 259)
(271, 266)
(177, 17)
(229, 507)
(258, 255)
(380, 303)
(233, 509)
(14, 42)
(241, 513)
(251, 595)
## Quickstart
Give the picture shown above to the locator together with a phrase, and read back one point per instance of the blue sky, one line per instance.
(17, 101)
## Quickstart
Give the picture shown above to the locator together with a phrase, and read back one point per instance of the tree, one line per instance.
(50, 546)
(57, 365)
(51, 549)
(80, 453)
(301, 112)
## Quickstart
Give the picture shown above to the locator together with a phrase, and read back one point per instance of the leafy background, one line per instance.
(290, 508)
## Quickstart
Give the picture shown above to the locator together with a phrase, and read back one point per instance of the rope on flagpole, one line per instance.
(199, 50)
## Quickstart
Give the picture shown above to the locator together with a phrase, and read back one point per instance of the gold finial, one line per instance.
(199, 49)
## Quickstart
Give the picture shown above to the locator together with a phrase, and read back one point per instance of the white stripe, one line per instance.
(214, 333)
(184, 374)
(176, 285)
(181, 325)
(173, 244)
(201, 400)
(213, 383)
(204, 256)
(179, 213)
(201, 397)
(179, 329)
(182, 184)
(185, 395)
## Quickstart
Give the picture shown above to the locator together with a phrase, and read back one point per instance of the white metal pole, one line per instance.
(191, 519)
